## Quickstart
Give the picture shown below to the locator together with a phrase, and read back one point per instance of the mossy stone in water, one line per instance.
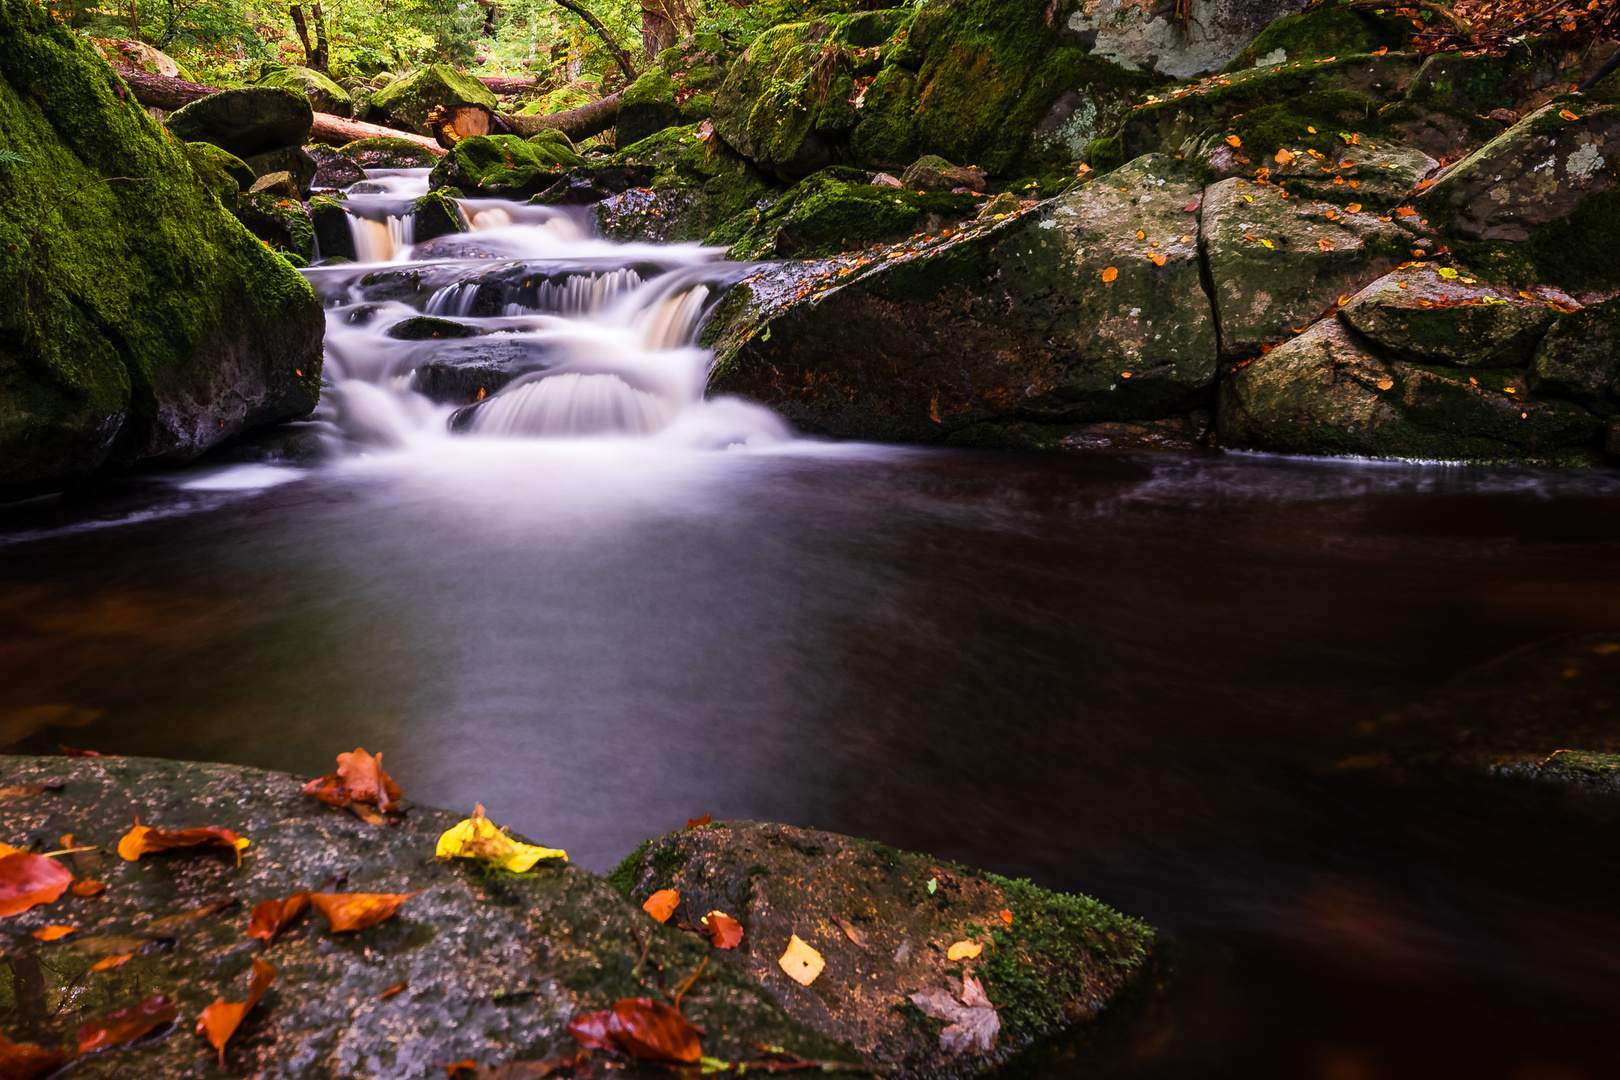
(279, 220)
(698, 189)
(245, 121)
(647, 107)
(333, 237)
(823, 215)
(383, 152)
(504, 165)
(437, 214)
(409, 100)
(883, 921)
(323, 95)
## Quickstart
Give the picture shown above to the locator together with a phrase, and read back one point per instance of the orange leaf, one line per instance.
(1006, 916)
(110, 962)
(661, 904)
(1344, 299)
(640, 1027)
(355, 911)
(1406, 211)
(127, 1024)
(1158, 260)
(1110, 273)
(1354, 208)
(1140, 235)
(1386, 384)
(699, 822)
(724, 931)
(29, 880)
(1285, 157)
(1567, 115)
(359, 783)
(89, 887)
(397, 988)
(220, 1020)
(25, 1061)
(52, 933)
(144, 841)
(271, 917)
(1324, 244)
(1233, 140)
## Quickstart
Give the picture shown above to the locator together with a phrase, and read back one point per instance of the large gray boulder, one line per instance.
(1580, 358)
(1086, 307)
(1141, 36)
(1449, 317)
(246, 121)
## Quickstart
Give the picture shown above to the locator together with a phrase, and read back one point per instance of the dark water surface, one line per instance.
(1134, 677)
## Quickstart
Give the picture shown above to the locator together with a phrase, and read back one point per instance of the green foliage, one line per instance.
(623, 877)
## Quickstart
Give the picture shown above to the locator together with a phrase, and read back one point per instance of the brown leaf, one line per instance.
(397, 988)
(70, 752)
(851, 931)
(271, 917)
(144, 841)
(699, 822)
(640, 1027)
(358, 785)
(1565, 113)
(518, 1070)
(127, 1024)
(180, 923)
(18, 792)
(974, 1022)
(347, 912)
(25, 1061)
(220, 1020)
(724, 931)
(29, 880)
(661, 904)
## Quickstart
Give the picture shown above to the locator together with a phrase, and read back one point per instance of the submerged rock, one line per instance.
(245, 121)
(490, 967)
(884, 923)
(143, 321)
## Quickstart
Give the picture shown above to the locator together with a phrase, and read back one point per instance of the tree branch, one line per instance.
(620, 57)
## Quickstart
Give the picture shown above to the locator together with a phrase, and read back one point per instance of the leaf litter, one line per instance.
(974, 1023)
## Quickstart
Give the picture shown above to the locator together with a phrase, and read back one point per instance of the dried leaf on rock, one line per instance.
(54, 933)
(142, 840)
(479, 838)
(973, 1021)
(220, 1020)
(801, 962)
(181, 922)
(18, 792)
(963, 950)
(127, 1024)
(107, 963)
(724, 931)
(347, 912)
(699, 822)
(70, 752)
(89, 887)
(661, 904)
(640, 1027)
(358, 784)
(271, 917)
(1110, 273)
(25, 1061)
(27, 881)
(518, 1070)
(851, 931)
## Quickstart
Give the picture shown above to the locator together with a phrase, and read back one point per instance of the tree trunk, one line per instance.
(322, 57)
(657, 32)
(500, 84)
(577, 124)
(620, 57)
(163, 92)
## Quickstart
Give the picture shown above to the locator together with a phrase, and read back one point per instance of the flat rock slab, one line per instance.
(1420, 315)
(884, 922)
(493, 968)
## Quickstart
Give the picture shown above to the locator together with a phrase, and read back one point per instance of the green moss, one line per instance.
(503, 165)
(225, 174)
(323, 94)
(281, 222)
(706, 183)
(437, 214)
(1324, 31)
(827, 213)
(623, 877)
(647, 107)
(384, 152)
(1266, 128)
(411, 99)
(1574, 252)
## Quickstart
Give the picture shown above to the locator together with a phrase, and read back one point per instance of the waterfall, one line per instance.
(539, 329)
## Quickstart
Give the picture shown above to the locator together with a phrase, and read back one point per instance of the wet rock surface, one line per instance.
(492, 967)
(884, 922)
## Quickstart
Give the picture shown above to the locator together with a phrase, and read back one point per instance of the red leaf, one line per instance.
(699, 822)
(355, 911)
(25, 1061)
(70, 752)
(724, 931)
(29, 880)
(221, 1019)
(593, 1030)
(271, 917)
(640, 1027)
(127, 1024)
(359, 783)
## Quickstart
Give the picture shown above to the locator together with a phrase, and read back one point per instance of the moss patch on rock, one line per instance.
(823, 214)
(506, 165)
(409, 100)
(647, 107)
(695, 187)
(323, 95)
(1322, 32)
(383, 152)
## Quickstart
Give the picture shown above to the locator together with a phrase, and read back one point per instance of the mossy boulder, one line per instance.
(1329, 391)
(143, 320)
(293, 160)
(933, 173)
(504, 165)
(693, 185)
(824, 214)
(1541, 201)
(383, 152)
(1579, 358)
(334, 239)
(1445, 316)
(323, 95)
(245, 121)
(332, 168)
(1058, 315)
(436, 214)
(409, 100)
(280, 220)
(1153, 37)
(647, 107)
(1321, 32)
(1371, 173)
(1448, 106)
(1276, 263)
(225, 174)
(883, 921)
(492, 966)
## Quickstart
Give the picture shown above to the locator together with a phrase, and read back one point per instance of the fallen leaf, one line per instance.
(53, 933)
(851, 931)
(801, 962)
(479, 838)
(1140, 235)
(347, 912)
(1158, 260)
(974, 1022)
(25, 1061)
(963, 950)
(70, 752)
(358, 784)
(1354, 208)
(1285, 157)
(1267, 243)
(1447, 272)
(1233, 140)
(18, 792)
(180, 923)
(1110, 273)
(397, 988)
(89, 887)
(127, 1024)
(110, 962)
(220, 1020)
(1386, 384)
(1311, 130)
(661, 904)
(142, 840)
(27, 881)
(1566, 114)
(271, 917)
(1405, 211)
(1006, 916)
(1344, 298)
(1324, 245)
(640, 1027)
(699, 822)
(724, 931)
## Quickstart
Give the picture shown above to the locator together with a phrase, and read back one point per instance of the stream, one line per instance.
(538, 569)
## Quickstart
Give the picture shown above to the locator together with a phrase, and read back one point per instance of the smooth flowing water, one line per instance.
(604, 605)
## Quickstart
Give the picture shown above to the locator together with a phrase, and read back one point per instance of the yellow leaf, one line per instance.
(1567, 115)
(963, 950)
(478, 838)
(801, 962)
(1110, 273)
(1140, 235)
(1311, 130)
(1344, 299)
(1233, 140)
(1267, 243)
(1248, 198)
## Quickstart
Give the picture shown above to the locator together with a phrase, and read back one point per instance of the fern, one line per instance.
(9, 155)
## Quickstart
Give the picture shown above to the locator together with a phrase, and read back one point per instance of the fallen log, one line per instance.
(505, 84)
(167, 93)
(452, 123)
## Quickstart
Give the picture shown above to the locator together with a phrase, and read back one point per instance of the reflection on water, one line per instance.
(1133, 677)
